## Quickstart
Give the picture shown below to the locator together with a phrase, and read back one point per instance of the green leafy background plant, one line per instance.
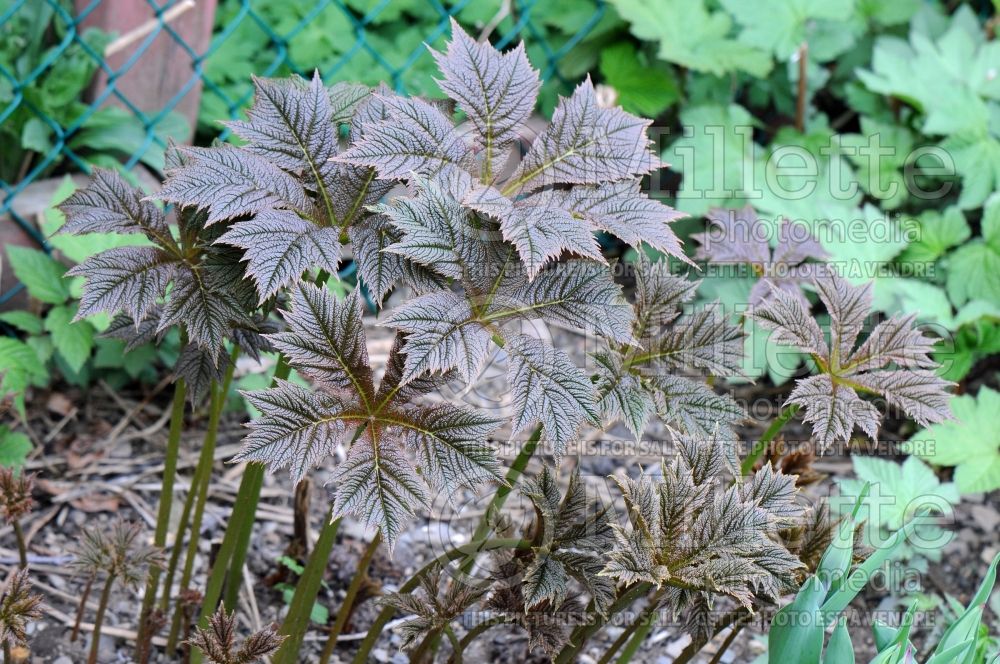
(970, 442)
(898, 491)
(73, 348)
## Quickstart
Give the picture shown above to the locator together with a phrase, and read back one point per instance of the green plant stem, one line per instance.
(583, 632)
(163, 511)
(761, 445)
(460, 552)
(200, 490)
(95, 637)
(636, 627)
(299, 611)
(621, 640)
(733, 633)
(247, 499)
(22, 548)
(428, 645)
(500, 497)
(7, 659)
(802, 96)
(254, 477)
(483, 527)
(640, 631)
(513, 474)
(83, 607)
(473, 634)
(352, 592)
(203, 466)
(175, 552)
(692, 649)
(227, 570)
(456, 647)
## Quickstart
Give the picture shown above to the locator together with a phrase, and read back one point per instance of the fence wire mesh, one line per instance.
(68, 97)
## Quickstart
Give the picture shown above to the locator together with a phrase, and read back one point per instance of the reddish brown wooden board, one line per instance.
(165, 67)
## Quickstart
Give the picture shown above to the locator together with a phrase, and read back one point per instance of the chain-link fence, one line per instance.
(108, 82)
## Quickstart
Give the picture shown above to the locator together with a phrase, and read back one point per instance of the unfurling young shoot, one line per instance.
(15, 502)
(831, 398)
(17, 606)
(119, 556)
(218, 641)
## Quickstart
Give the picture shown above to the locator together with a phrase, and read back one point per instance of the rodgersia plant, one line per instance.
(438, 603)
(569, 537)
(18, 605)
(120, 556)
(476, 246)
(218, 641)
(740, 237)
(892, 363)
(282, 197)
(15, 503)
(325, 341)
(685, 532)
(480, 244)
(658, 369)
(181, 278)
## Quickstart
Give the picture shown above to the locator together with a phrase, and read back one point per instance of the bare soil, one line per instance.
(99, 455)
